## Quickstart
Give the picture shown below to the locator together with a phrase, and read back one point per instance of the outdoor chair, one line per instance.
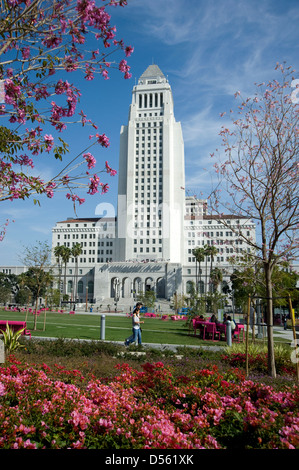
(210, 330)
(222, 330)
(196, 325)
(237, 332)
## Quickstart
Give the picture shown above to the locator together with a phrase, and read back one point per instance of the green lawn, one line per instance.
(117, 328)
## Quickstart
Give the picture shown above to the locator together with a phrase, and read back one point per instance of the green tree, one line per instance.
(38, 281)
(211, 251)
(148, 299)
(58, 250)
(65, 257)
(53, 296)
(10, 282)
(23, 295)
(248, 280)
(38, 275)
(196, 304)
(214, 301)
(5, 294)
(216, 277)
(76, 252)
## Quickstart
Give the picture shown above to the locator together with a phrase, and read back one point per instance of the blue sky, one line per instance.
(209, 50)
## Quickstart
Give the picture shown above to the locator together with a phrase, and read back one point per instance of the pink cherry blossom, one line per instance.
(109, 170)
(103, 140)
(53, 40)
(49, 141)
(91, 161)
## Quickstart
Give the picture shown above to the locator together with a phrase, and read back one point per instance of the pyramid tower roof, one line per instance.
(152, 71)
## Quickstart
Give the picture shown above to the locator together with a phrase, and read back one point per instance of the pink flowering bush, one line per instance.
(151, 409)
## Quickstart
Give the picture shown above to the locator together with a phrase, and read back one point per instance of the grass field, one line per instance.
(117, 328)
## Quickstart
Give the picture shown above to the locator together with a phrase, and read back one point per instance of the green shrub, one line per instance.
(69, 347)
(258, 357)
(11, 339)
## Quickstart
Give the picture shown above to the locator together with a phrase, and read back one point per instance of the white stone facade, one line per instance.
(149, 244)
(151, 175)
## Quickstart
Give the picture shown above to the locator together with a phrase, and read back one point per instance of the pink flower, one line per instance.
(2, 390)
(75, 198)
(61, 87)
(41, 92)
(109, 170)
(91, 161)
(103, 140)
(124, 67)
(129, 50)
(105, 74)
(49, 142)
(49, 189)
(105, 188)
(93, 185)
(9, 72)
(26, 53)
(24, 160)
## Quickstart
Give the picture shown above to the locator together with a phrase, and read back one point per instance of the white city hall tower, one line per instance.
(149, 245)
(151, 194)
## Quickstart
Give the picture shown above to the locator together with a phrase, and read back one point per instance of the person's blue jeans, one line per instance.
(135, 336)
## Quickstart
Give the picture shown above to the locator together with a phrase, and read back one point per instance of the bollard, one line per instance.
(102, 326)
(228, 333)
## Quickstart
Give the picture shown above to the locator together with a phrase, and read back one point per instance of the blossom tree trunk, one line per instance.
(270, 339)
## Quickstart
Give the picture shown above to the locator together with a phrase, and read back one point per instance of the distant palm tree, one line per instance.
(199, 254)
(206, 249)
(216, 277)
(76, 252)
(58, 251)
(65, 256)
(211, 251)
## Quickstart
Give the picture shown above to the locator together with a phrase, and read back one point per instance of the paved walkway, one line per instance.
(277, 330)
(287, 334)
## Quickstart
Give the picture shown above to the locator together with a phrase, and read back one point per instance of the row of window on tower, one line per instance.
(150, 100)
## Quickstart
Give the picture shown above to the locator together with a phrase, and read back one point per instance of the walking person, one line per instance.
(135, 326)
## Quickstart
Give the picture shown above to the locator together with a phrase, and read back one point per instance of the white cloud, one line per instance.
(201, 128)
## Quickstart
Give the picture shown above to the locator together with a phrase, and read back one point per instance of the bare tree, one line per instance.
(258, 177)
(37, 259)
